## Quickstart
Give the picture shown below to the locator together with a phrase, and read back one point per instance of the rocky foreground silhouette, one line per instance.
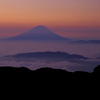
(49, 82)
(49, 74)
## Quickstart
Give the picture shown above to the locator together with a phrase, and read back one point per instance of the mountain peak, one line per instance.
(39, 32)
(40, 27)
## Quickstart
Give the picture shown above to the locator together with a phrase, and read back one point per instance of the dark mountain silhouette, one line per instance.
(48, 54)
(87, 41)
(49, 74)
(46, 81)
(38, 33)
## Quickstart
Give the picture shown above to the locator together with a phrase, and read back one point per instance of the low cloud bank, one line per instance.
(69, 64)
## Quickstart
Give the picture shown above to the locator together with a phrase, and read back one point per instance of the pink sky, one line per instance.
(72, 18)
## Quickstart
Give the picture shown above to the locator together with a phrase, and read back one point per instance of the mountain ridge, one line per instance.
(49, 54)
(86, 41)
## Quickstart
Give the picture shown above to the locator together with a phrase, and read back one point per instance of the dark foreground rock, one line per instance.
(49, 83)
(48, 74)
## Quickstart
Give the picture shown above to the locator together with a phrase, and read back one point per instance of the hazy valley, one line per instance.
(41, 39)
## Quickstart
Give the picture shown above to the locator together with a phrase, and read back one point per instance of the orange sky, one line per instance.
(25, 14)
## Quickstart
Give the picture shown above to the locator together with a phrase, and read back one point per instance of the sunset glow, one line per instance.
(21, 15)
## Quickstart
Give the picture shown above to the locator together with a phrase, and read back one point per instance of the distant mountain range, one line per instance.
(38, 33)
(87, 41)
(48, 54)
(41, 32)
(98, 58)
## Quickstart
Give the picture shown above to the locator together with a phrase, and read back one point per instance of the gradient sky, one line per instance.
(69, 18)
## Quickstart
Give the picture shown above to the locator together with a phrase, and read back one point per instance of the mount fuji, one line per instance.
(38, 33)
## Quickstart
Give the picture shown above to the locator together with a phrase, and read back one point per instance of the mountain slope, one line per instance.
(38, 33)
